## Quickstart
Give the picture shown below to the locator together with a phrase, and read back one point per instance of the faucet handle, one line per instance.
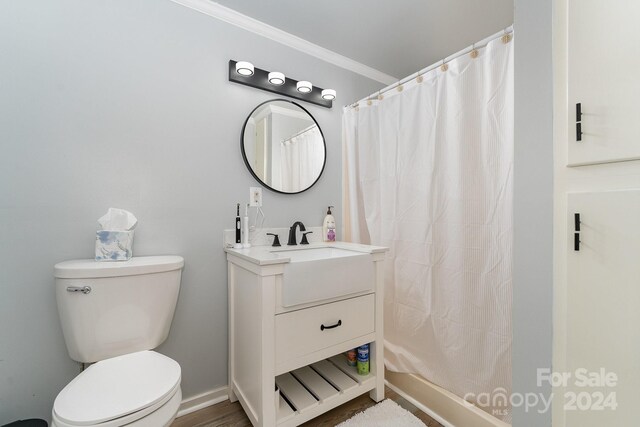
(304, 240)
(276, 239)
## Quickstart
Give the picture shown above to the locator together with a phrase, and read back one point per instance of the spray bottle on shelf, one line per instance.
(329, 227)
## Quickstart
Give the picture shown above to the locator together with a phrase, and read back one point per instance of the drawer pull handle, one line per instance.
(322, 327)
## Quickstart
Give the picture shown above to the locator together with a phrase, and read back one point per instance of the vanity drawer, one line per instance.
(301, 332)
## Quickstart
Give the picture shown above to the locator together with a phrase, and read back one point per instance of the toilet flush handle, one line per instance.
(83, 289)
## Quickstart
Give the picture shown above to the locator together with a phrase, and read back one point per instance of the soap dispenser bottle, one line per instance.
(329, 227)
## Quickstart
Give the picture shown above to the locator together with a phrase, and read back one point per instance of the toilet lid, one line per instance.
(116, 387)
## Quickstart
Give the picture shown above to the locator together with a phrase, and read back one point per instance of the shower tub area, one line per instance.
(428, 172)
(442, 405)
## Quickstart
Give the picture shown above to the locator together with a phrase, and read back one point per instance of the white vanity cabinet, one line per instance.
(286, 362)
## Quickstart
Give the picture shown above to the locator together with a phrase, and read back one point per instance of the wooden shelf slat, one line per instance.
(335, 376)
(299, 397)
(284, 411)
(315, 383)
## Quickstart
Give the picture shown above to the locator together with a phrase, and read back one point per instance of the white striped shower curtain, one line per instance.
(428, 172)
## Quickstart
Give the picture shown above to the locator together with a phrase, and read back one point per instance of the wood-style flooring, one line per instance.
(232, 414)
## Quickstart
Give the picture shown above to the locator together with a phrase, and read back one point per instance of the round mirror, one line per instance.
(283, 146)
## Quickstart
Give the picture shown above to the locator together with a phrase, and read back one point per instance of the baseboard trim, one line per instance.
(240, 20)
(442, 405)
(203, 400)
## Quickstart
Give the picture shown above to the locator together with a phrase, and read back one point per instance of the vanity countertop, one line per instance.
(268, 255)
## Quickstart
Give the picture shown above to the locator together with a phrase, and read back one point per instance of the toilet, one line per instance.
(112, 315)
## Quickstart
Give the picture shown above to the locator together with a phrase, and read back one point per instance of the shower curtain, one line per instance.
(304, 149)
(428, 173)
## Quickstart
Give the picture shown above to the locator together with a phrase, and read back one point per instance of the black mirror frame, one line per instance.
(248, 165)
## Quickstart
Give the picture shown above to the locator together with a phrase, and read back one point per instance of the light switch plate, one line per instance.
(255, 196)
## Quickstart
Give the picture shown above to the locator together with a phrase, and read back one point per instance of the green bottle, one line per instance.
(363, 360)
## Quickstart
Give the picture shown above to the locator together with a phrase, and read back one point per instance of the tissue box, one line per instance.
(114, 245)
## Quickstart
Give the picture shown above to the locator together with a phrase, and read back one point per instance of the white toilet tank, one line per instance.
(108, 309)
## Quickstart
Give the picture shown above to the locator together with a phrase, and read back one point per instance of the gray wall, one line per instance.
(127, 104)
(533, 204)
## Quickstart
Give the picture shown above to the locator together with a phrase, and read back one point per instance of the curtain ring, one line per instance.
(506, 38)
(399, 88)
(369, 102)
(444, 66)
(380, 96)
(474, 53)
(419, 79)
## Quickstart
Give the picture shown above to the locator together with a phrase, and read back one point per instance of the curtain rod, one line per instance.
(482, 43)
(299, 133)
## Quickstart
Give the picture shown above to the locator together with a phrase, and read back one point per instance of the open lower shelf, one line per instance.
(314, 389)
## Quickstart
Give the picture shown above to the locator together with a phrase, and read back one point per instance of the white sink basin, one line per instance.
(316, 274)
(313, 254)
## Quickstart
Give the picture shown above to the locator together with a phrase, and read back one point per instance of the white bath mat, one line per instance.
(385, 414)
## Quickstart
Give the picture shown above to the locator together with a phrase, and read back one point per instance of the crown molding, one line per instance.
(245, 22)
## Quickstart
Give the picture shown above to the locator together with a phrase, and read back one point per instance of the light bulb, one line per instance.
(328, 94)
(304, 86)
(244, 68)
(276, 78)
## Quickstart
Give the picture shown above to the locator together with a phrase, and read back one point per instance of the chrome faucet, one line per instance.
(292, 232)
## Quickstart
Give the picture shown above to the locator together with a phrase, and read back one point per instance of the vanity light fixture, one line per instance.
(276, 78)
(328, 94)
(304, 86)
(244, 73)
(244, 68)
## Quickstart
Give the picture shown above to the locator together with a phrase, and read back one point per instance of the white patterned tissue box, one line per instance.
(114, 245)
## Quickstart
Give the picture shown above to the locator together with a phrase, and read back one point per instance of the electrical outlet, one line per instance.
(255, 196)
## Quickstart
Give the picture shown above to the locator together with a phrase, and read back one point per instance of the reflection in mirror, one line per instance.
(283, 146)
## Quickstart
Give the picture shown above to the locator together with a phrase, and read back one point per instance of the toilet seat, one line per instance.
(118, 391)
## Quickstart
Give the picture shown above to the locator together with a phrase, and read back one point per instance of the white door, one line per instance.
(603, 311)
(604, 64)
